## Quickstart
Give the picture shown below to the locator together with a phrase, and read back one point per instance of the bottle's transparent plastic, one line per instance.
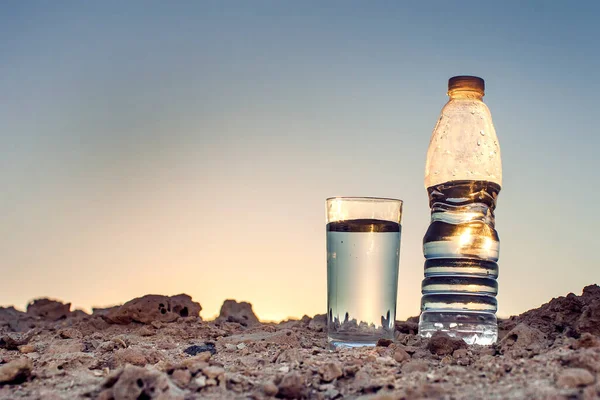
(463, 176)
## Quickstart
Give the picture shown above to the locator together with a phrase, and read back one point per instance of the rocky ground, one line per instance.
(156, 347)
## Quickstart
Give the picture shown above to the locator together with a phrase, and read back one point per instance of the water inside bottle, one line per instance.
(461, 248)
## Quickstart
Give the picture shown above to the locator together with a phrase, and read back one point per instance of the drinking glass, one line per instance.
(363, 252)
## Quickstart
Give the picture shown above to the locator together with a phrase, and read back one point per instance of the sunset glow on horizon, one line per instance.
(189, 148)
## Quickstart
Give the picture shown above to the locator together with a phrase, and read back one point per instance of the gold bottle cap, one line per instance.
(465, 82)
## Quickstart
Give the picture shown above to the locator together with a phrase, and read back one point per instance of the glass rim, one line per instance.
(365, 198)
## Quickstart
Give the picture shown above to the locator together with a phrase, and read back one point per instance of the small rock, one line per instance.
(487, 351)
(27, 348)
(522, 337)
(12, 341)
(15, 372)
(197, 363)
(150, 308)
(407, 327)
(460, 353)
(400, 355)
(146, 331)
(199, 382)
(211, 382)
(291, 386)
(574, 377)
(232, 311)
(415, 366)
(213, 372)
(441, 344)
(133, 382)
(330, 371)
(241, 346)
(70, 333)
(204, 348)
(318, 323)
(181, 377)
(157, 324)
(49, 309)
(129, 356)
(587, 340)
(291, 356)
(384, 342)
(269, 389)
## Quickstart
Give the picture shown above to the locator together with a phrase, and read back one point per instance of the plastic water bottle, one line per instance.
(463, 176)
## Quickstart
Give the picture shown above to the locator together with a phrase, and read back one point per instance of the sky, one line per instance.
(189, 147)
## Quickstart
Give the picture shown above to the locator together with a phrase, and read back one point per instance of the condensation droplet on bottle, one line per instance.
(482, 132)
(478, 142)
(436, 172)
(453, 172)
(472, 111)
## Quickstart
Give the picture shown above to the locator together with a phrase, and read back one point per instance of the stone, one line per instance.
(586, 341)
(133, 383)
(291, 386)
(441, 344)
(574, 377)
(407, 327)
(587, 358)
(415, 366)
(27, 349)
(213, 372)
(242, 313)
(460, 353)
(181, 377)
(198, 382)
(12, 341)
(197, 363)
(10, 314)
(400, 355)
(151, 308)
(384, 342)
(330, 371)
(269, 388)
(318, 323)
(49, 309)
(146, 331)
(290, 356)
(129, 356)
(522, 337)
(15, 372)
(70, 333)
(197, 349)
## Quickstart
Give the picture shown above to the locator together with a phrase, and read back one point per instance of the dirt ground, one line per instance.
(157, 347)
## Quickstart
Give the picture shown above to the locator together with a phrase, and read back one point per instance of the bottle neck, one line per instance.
(469, 94)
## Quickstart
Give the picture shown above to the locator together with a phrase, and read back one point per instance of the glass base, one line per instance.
(473, 327)
(340, 341)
